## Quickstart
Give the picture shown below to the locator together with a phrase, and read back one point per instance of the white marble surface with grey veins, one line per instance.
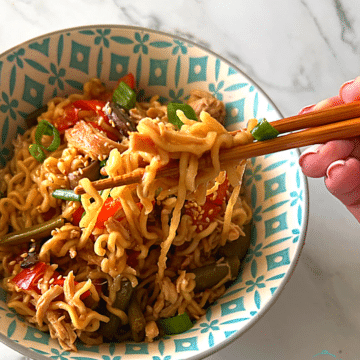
(298, 52)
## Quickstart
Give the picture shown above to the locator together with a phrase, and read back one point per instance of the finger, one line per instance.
(315, 160)
(350, 91)
(324, 104)
(343, 181)
(328, 103)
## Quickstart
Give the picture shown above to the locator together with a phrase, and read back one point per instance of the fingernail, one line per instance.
(346, 85)
(314, 149)
(350, 90)
(306, 109)
(334, 165)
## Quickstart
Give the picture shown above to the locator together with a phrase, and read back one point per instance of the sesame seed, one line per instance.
(24, 255)
(59, 277)
(40, 280)
(51, 280)
(207, 220)
(80, 171)
(199, 217)
(98, 107)
(211, 211)
(32, 240)
(32, 250)
(11, 263)
(200, 227)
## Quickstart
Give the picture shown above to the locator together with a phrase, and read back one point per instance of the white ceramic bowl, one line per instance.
(59, 63)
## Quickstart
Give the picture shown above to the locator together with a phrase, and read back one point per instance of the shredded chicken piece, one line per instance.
(44, 302)
(151, 331)
(90, 141)
(201, 100)
(61, 330)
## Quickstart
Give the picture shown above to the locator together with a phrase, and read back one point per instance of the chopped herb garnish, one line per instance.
(46, 128)
(264, 131)
(124, 96)
(186, 109)
(176, 324)
(37, 149)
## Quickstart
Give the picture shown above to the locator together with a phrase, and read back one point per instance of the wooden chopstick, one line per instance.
(339, 122)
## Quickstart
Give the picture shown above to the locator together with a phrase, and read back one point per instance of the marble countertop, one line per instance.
(299, 52)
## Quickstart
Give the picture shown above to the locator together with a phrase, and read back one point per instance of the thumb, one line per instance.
(343, 181)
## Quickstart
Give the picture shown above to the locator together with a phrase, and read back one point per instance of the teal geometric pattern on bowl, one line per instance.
(58, 64)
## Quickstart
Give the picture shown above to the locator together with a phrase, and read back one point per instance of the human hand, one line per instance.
(339, 160)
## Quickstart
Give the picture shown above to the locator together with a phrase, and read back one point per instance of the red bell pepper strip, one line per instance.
(68, 119)
(91, 105)
(77, 215)
(28, 279)
(129, 80)
(108, 210)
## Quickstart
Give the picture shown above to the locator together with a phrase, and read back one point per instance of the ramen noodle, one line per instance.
(119, 261)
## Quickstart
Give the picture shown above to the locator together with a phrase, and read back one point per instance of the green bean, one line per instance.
(136, 320)
(66, 194)
(35, 232)
(239, 246)
(208, 276)
(123, 296)
(122, 299)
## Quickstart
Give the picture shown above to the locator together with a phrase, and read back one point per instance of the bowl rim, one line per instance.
(30, 353)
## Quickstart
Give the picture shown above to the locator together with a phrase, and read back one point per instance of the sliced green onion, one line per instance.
(176, 324)
(264, 131)
(124, 96)
(186, 109)
(65, 194)
(103, 163)
(46, 128)
(37, 152)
